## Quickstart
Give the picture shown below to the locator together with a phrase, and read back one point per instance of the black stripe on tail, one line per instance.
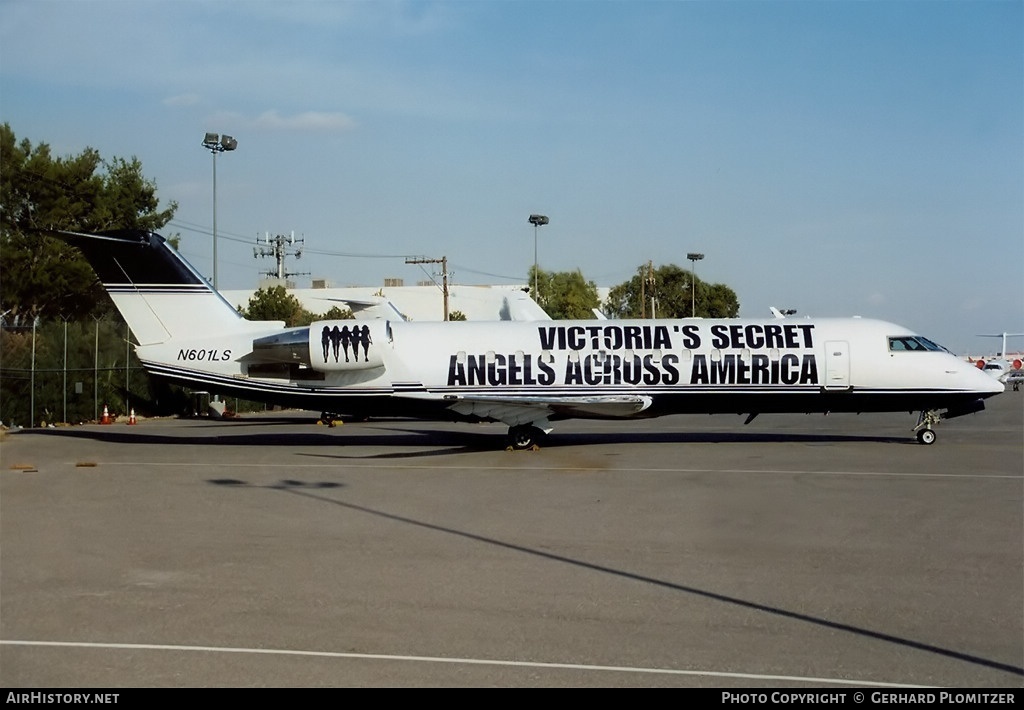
(133, 256)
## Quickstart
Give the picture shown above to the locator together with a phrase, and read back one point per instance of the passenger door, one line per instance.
(837, 365)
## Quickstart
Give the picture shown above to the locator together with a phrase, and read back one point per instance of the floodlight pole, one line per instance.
(694, 257)
(214, 152)
(536, 220)
(217, 144)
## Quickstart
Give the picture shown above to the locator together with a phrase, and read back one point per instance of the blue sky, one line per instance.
(840, 158)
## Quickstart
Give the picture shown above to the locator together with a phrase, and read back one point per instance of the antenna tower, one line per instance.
(279, 247)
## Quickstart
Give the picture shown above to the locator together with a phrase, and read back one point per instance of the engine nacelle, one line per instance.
(345, 345)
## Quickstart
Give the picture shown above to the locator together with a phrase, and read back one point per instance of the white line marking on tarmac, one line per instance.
(464, 661)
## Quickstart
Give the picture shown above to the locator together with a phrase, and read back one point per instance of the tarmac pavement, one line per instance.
(800, 551)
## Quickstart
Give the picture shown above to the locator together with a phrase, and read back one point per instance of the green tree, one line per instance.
(457, 315)
(674, 292)
(719, 301)
(275, 303)
(43, 277)
(336, 313)
(565, 295)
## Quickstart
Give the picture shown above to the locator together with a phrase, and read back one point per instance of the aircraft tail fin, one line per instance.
(158, 293)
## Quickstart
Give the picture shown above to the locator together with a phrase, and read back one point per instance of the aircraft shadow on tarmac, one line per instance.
(466, 440)
(310, 490)
(452, 443)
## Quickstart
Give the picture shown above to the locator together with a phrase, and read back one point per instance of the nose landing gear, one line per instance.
(925, 422)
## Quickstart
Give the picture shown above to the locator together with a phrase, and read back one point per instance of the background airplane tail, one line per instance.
(159, 294)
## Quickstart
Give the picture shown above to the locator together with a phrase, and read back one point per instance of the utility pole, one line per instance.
(277, 247)
(643, 294)
(443, 261)
(644, 281)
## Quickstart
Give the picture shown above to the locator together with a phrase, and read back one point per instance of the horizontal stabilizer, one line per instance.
(378, 307)
(132, 257)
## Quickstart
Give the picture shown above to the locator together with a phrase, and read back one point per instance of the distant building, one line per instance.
(272, 281)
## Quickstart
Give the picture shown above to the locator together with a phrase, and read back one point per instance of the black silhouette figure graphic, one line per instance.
(366, 344)
(357, 338)
(325, 340)
(346, 338)
(335, 341)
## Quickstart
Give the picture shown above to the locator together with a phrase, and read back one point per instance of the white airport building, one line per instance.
(416, 303)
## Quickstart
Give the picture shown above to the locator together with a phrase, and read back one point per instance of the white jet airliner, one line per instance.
(1000, 367)
(525, 374)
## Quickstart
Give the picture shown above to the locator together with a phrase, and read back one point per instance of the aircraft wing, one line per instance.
(531, 410)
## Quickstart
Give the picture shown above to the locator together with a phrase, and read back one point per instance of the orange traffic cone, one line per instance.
(106, 416)
(131, 417)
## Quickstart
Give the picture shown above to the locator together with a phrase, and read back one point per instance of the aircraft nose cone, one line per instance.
(988, 384)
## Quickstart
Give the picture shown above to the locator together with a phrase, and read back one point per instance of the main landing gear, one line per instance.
(332, 420)
(524, 436)
(925, 422)
(328, 419)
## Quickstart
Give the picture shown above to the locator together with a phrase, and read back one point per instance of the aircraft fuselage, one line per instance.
(686, 365)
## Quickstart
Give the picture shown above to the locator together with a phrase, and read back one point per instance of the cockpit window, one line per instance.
(913, 342)
(932, 345)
